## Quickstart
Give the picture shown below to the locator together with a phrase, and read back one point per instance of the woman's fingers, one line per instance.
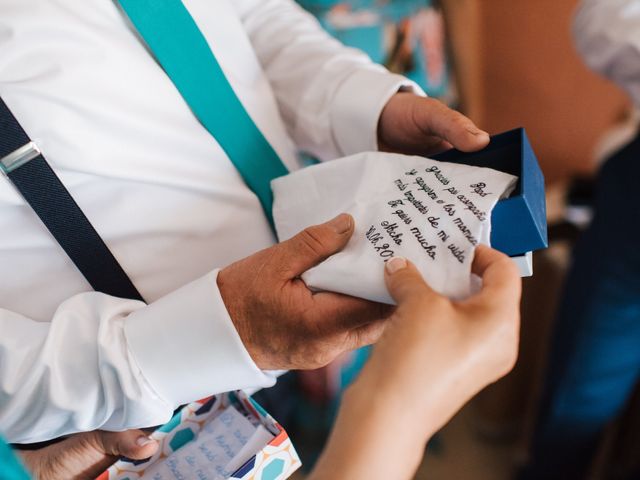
(500, 278)
(404, 281)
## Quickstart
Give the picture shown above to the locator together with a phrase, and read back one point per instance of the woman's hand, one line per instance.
(434, 355)
(439, 353)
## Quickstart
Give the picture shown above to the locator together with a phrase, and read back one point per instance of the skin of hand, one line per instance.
(86, 455)
(418, 125)
(435, 354)
(414, 125)
(267, 300)
(283, 324)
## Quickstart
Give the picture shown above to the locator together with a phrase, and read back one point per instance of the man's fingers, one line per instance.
(366, 334)
(500, 277)
(336, 313)
(441, 146)
(435, 118)
(134, 444)
(404, 282)
(314, 244)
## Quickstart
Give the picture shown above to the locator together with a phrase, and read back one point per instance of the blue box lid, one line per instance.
(518, 223)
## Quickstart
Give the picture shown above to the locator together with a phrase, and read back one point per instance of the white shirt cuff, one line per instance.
(187, 347)
(358, 104)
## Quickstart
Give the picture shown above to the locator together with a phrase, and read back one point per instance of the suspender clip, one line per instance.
(19, 157)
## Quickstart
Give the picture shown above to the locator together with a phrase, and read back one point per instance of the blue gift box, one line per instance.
(519, 223)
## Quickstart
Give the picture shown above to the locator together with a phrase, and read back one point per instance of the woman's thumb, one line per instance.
(133, 444)
(404, 281)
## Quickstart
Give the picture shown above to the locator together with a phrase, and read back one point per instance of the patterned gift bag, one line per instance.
(203, 440)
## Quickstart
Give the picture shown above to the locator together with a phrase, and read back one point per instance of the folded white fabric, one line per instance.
(433, 213)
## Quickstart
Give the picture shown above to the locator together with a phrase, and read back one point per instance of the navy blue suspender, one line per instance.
(22, 162)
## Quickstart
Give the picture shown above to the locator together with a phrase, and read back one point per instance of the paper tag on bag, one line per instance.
(433, 213)
(220, 448)
(219, 437)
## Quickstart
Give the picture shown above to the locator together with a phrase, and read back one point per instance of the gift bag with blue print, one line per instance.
(226, 436)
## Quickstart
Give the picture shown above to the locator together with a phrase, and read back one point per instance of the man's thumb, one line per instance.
(315, 244)
(404, 281)
(134, 444)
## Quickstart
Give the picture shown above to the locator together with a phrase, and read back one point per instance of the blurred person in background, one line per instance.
(594, 362)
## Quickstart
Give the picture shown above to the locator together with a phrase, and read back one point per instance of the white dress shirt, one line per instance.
(160, 192)
(607, 34)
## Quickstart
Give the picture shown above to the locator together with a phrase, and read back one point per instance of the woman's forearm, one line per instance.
(373, 438)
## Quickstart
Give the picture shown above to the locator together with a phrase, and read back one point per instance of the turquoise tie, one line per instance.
(10, 466)
(180, 48)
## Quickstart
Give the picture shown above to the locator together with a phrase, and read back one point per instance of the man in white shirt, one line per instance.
(173, 210)
(595, 358)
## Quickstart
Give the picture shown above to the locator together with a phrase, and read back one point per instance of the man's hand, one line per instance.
(422, 126)
(281, 322)
(86, 455)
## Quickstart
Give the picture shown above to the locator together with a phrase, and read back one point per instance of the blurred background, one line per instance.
(505, 64)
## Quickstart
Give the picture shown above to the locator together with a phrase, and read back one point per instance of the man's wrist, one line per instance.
(191, 329)
(389, 116)
(359, 102)
(233, 301)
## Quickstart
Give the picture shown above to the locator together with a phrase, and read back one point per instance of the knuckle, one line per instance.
(97, 440)
(430, 301)
(497, 257)
(509, 267)
(435, 103)
(420, 305)
(455, 128)
(319, 357)
(509, 362)
(510, 356)
(312, 242)
(458, 119)
(406, 285)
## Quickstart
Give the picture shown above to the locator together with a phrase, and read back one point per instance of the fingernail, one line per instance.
(395, 264)
(142, 441)
(477, 132)
(341, 224)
